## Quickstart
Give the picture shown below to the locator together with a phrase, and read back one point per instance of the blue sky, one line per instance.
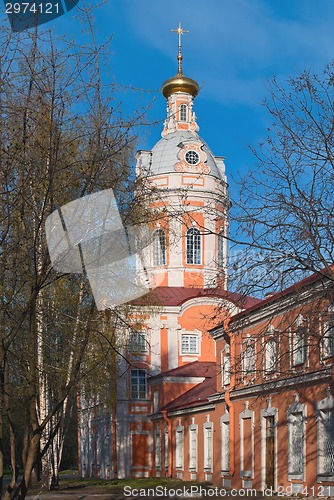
(232, 49)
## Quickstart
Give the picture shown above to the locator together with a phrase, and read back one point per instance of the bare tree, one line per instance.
(285, 210)
(62, 136)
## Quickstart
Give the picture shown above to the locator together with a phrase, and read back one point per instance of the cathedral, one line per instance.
(221, 387)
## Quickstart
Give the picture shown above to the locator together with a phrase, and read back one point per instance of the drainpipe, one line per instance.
(228, 398)
(170, 443)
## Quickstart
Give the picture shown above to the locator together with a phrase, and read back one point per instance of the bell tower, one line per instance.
(189, 247)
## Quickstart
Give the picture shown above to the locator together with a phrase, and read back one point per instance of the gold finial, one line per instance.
(180, 32)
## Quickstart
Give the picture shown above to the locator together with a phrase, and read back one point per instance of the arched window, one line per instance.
(193, 246)
(159, 248)
(183, 112)
(221, 250)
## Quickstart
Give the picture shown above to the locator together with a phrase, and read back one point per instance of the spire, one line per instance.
(180, 32)
(179, 82)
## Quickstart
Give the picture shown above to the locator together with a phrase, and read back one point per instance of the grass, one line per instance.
(72, 483)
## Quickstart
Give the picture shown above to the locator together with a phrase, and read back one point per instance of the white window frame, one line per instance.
(193, 447)
(159, 248)
(299, 346)
(328, 336)
(138, 343)
(225, 444)
(221, 250)
(271, 355)
(155, 401)
(249, 356)
(225, 367)
(194, 246)
(157, 436)
(179, 447)
(136, 376)
(186, 340)
(208, 446)
(183, 112)
(244, 415)
(325, 409)
(166, 438)
(296, 411)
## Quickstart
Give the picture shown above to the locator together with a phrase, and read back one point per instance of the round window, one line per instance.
(192, 157)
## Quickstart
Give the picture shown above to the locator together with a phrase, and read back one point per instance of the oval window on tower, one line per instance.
(191, 157)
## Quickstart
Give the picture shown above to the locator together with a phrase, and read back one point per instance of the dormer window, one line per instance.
(183, 112)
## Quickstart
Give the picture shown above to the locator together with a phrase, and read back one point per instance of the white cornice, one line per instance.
(184, 411)
(273, 386)
(177, 380)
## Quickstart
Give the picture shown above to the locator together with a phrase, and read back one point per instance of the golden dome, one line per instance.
(179, 83)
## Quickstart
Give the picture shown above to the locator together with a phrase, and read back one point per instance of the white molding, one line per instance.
(246, 414)
(268, 412)
(275, 385)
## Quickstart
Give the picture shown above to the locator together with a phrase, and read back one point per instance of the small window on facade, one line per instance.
(221, 250)
(299, 343)
(138, 343)
(329, 339)
(249, 359)
(225, 368)
(271, 356)
(208, 446)
(157, 449)
(225, 444)
(193, 435)
(155, 401)
(326, 443)
(166, 448)
(193, 246)
(179, 447)
(183, 112)
(189, 344)
(138, 384)
(296, 445)
(159, 248)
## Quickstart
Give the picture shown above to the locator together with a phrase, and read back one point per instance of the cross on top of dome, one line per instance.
(180, 32)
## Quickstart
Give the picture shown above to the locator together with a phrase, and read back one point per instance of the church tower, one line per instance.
(189, 182)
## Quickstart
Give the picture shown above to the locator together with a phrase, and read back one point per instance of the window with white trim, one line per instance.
(159, 247)
(221, 256)
(183, 112)
(179, 447)
(225, 367)
(271, 350)
(157, 449)
(138, 383)
(189, 344)
(193, 438)
(299, 344)
(194, 246)
(208, 445)
(155, 401)
(296, 442)
(225, 443)
(166, 448)
(329, 339)
(325, 410)
(249, 356)
(138, 343)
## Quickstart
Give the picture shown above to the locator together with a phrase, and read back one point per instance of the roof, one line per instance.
(197, 395)
(165, 154)
(178, 295)
(194, 369)
(291, 290)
